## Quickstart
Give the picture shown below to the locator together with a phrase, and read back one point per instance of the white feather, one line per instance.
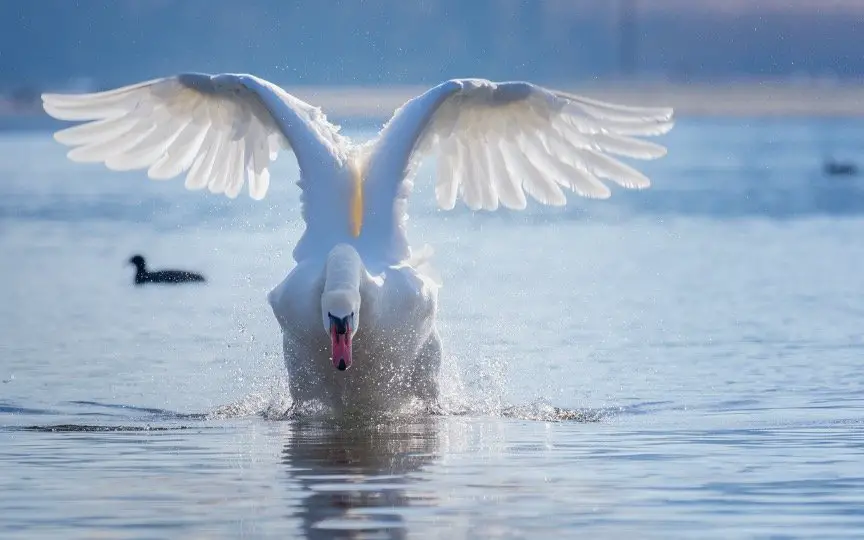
(497, 144)
(206, 125)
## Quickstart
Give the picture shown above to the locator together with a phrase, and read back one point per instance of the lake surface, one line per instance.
(683, 362)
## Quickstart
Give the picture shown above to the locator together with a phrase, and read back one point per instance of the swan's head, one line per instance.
(340, 311)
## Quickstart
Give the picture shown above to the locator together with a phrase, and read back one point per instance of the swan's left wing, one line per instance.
(222, 129)
(497, 142)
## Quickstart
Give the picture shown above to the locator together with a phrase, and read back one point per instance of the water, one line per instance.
(681, 362)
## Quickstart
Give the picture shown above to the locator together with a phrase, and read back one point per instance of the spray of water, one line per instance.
(470, 384)
(480, 395)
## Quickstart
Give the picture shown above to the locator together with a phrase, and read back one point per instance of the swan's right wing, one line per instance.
(499, 142)
(222, 129)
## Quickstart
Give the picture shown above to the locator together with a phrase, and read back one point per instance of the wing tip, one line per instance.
(635, 112)
(52, 111)
(660, 152)
(60, 137)
(635, 186)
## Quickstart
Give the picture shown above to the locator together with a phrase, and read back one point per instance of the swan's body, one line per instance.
(496, 142)
(397, 351)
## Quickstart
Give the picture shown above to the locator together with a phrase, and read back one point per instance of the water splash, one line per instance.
(274, 403)
(543, 411)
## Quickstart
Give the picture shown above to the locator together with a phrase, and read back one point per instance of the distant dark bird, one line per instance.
(142, 276)
(838, 168)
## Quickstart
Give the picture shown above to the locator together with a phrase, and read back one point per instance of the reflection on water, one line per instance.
(356, 477)
(84, 428)
(712, 366)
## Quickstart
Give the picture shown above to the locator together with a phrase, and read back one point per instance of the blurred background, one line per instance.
(738, 66)
(712, 56)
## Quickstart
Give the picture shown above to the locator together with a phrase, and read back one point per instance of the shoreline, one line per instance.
(758, 99)
(730, 100)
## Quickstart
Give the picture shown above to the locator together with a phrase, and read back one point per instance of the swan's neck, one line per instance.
(344, 269)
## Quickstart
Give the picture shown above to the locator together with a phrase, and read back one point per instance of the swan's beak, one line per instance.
(341, 346)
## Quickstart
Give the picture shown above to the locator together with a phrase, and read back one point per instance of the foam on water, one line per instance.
(483, 397)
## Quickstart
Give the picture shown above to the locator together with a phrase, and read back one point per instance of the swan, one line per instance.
(358, 311)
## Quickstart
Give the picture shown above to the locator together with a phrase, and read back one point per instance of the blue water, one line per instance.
(683, 362)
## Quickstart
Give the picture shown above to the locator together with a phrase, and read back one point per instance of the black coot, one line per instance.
(142, 276)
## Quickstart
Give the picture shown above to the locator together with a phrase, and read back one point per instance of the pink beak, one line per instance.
(341, 347)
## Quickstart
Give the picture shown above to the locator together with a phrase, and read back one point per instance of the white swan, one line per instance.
(356, 298)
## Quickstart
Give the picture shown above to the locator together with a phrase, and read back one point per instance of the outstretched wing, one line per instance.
(220, 130)
(497, 142)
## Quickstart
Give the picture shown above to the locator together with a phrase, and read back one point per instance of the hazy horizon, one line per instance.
(51, 43)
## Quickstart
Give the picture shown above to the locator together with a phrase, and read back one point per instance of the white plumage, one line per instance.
(497, 144)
